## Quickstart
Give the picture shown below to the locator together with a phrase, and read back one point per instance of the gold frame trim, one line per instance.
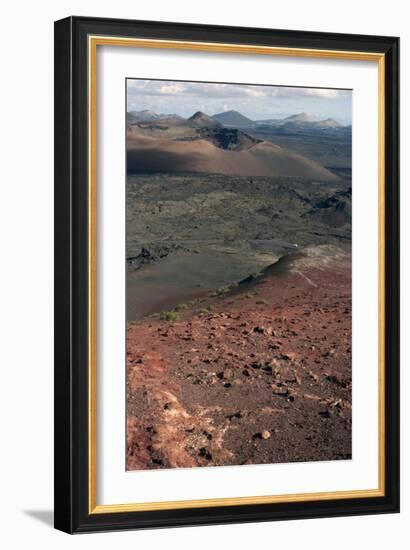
(93, 42)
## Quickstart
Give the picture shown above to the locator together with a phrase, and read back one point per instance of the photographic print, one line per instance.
(238, 290)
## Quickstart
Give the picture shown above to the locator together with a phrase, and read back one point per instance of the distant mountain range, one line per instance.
(300, 117)
(201, 120)
(300, 121)
(148, 116)
(142, 116)
(234, 119)
(297, 123)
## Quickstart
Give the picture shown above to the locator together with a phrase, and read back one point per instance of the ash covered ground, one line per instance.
(239, 320)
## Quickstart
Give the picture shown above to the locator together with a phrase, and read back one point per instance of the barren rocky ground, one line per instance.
(238, 303)
(191, 234)
(258, 374)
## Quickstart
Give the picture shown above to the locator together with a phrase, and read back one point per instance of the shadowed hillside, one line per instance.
(152, 154)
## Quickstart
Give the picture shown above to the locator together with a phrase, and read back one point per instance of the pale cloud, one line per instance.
(287, 92)
(157, 87)
(172, 88)
(331, 94)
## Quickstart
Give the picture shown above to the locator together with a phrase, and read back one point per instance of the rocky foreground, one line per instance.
(258, 373)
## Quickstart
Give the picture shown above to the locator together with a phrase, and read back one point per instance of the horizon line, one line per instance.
(235, 111)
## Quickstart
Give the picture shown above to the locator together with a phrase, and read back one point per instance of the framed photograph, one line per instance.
(226, 274)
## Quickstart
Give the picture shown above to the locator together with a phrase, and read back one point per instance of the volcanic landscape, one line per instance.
(238, 290)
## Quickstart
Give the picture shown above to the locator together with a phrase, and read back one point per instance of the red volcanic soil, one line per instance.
(263, 376)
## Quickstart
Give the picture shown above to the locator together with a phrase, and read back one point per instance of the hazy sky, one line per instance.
(255, 102)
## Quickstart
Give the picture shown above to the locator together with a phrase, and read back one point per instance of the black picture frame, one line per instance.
(71, 492)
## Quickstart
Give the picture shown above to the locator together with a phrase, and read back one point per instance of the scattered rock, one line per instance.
(228, 374)
(311, 397)
(286, 374)
(336, 379)
(275, 345)
(279, 390)
(274, 363)
(204, 453)
(267, 368)
(289, 356)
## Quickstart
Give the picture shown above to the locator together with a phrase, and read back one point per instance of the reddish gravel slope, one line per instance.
(261, 374)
